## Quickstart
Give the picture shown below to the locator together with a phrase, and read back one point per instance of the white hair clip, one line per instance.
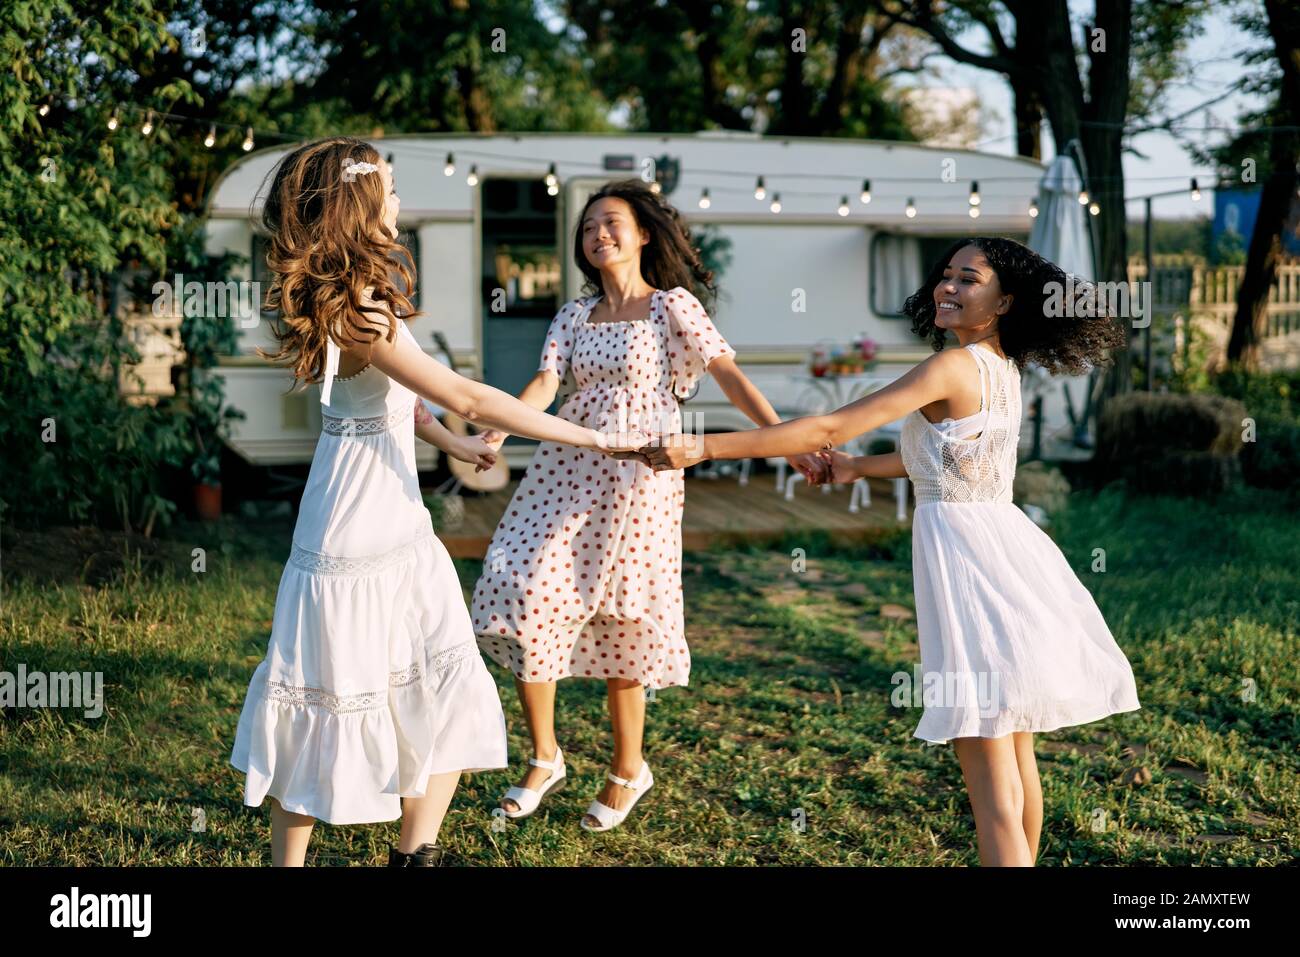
(354, 168)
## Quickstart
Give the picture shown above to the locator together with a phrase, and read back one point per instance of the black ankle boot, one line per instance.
(426, 855)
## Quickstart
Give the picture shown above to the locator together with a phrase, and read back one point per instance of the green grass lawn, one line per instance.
(787, 717)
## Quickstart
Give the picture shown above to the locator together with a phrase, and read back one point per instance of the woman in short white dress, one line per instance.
(1011, 641)
(372, 698)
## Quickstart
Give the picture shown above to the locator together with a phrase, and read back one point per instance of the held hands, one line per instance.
(494, 438)
(673, 452)
(476, 450)
(838, 468)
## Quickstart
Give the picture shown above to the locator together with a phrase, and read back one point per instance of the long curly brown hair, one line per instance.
(1060, 344)
(669, 259)
(328, 243)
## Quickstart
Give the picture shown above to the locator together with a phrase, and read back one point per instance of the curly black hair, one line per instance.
(669, 259)
(1061, 344)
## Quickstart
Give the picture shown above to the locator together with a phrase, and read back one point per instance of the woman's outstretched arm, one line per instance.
(475, 401)
(928, 382)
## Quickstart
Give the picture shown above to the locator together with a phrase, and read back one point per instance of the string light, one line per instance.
(656, 188)
(44, 109)
(705, 202)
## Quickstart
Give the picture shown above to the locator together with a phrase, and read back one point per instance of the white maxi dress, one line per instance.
(372, 680)
(1010, 639)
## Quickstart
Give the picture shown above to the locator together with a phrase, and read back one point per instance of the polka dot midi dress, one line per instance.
(583, 575)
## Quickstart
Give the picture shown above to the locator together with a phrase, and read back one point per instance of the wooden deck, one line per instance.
(720, 511)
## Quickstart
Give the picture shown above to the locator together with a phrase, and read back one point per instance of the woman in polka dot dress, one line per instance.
(583, 575)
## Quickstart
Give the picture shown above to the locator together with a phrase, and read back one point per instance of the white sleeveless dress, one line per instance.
(373, 679)
(1010, 639)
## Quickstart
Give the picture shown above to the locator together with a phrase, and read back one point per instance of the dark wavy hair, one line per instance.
(669, 259)
(1060, 344)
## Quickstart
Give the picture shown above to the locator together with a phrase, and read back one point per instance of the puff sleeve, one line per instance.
(559, 339)
(693, 340)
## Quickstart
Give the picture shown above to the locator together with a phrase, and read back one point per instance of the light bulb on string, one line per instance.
(112, 120)
(974, 193)
(148, 124)
(1196, 192)
(551, 179)
(760, 190)
(843, 209)
(450, 168)
(1083, 197)
(44, 109)
(472, 178)
(248, 139)
(776, 203)
(911, 208)
(705, 202)
(1095, 209)
(1033, 209)
(211, 138)
(974, 212)
(866, 192)
(656, 188)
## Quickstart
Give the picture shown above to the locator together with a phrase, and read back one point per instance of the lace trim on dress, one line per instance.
(364, 425)
(303, 695)
(321, 564)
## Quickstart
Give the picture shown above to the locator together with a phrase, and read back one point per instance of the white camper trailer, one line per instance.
(812, 273)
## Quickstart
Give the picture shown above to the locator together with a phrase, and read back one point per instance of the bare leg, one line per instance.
(1032, 789)
(538, 700)
(627, 718)
(422, 817)
(289, 836)
(997, 799)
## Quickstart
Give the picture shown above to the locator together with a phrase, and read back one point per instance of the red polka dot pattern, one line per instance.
(583, 575)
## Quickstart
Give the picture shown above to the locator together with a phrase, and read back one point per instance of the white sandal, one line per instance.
(527, 799)
(611, 818)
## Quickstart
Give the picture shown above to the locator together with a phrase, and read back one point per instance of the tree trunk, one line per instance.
(1029, 119)
(1275, 199)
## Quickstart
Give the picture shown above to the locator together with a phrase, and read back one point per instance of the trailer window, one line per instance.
(896, 272)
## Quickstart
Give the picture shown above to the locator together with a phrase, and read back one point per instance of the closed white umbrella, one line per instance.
(1062, 233)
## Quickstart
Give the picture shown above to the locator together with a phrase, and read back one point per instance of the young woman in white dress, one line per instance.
(583, 575)
(372, 698)
(1015, 642)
